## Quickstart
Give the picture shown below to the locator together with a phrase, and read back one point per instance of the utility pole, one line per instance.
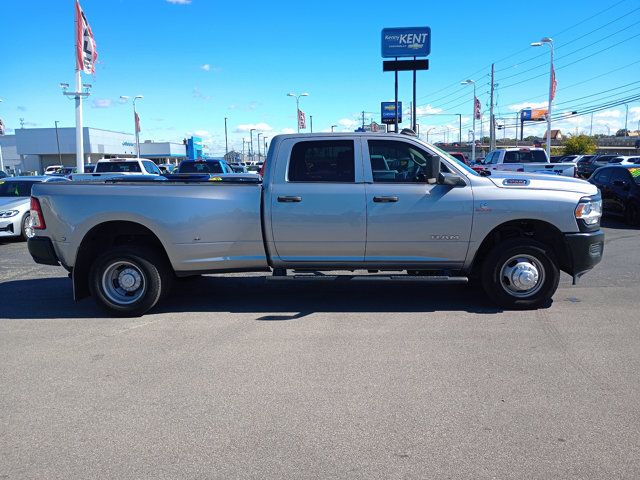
(591, 126)
(363, 119)
(311, 120)
(243, 149)
(492, 120)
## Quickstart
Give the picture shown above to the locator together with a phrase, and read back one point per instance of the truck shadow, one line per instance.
(51, 298)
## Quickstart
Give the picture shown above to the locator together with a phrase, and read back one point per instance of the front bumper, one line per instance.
(41, 250)
(584, 251)
(9, 228)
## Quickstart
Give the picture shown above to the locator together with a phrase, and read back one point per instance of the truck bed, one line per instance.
(198, 224)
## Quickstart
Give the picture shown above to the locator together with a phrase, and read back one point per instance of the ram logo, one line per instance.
(445, 237)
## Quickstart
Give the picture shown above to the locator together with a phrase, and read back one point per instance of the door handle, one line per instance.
(289, 199)
(385, 199)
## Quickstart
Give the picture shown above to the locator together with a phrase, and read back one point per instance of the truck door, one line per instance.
(318, 211)
(410, 222)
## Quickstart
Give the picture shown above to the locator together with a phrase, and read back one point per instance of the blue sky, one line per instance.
(199, 61)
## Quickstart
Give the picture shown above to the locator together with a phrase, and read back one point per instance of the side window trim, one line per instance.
(356, 161)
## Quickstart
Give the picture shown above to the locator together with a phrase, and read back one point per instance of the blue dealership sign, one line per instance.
(388, 110)
(406, 42)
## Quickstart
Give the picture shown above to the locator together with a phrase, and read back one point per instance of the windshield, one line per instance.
(453, 160)
(117, 167)
(16, 188)
(200, 167)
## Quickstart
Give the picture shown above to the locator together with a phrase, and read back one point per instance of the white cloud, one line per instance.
(201, 133)
(427, 109)
(206, 67)
(288, 130)
(609, 114)
(261, 127)
(519, 106)
(102, 103)
(179, 2)
(347, 123)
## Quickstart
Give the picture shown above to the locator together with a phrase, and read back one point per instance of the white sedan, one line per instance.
(15, 204)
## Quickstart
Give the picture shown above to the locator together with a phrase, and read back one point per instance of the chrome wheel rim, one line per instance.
(522, 276)
(29, 232)
(123, 282)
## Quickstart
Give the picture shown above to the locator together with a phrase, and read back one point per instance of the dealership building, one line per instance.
(31, 150)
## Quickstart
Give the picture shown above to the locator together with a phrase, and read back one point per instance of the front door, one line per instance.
(318, 212)
(410, 222)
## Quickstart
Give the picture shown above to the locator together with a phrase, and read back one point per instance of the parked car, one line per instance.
(238, 168)
(117, 167)
(625, 160)
(620, 189)
(15, 193)
(586, 167)
(204, 166)
(3, 175)
(460, 156)
(52, 169)
(337, 201)
(525, 159)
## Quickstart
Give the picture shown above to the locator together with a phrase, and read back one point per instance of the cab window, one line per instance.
(398, 162)
(322, 161)
(151, 167)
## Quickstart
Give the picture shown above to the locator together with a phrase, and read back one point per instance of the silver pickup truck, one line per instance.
(327, 202)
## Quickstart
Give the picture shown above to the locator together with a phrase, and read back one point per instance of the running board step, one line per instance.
(375, 278)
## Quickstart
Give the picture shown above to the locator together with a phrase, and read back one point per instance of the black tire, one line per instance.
(632, 214)
(23, 226)
(142, 265)
(504, 257)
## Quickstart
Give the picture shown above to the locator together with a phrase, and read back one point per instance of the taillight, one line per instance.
(37, 219)
(261, 171)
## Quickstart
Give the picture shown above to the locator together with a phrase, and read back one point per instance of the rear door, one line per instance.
(410, 222)
(318, 212)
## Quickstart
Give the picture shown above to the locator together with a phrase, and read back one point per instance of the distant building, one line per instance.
(31, 150)
(555, 135)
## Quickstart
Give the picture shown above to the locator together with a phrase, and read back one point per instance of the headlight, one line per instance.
(8, 213)
(589, 212)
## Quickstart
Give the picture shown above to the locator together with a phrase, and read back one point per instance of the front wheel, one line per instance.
(521, 274)
(129, 281)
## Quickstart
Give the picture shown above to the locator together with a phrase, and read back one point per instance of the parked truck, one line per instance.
(525, 159)
(390, 204)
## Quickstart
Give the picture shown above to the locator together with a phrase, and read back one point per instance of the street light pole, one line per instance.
(251, 147)
(136, 123)
(297, 97)
(626, 117)
(58, 142)
(311, 121)
(226, 144)
(258, 141)
(473, 116)
(548, 41)
(428, 133)
(332, 127)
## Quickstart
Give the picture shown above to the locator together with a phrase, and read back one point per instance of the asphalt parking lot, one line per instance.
(240, 378)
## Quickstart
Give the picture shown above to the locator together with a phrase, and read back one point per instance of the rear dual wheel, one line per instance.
(128, 281)
(520, 274)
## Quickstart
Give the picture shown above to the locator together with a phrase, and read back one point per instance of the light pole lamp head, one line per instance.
(124, 97)
(305, 94)
(536, 44)
(467, 82)
(64, 86)
(291, 94)
(138, 97)
(546, 40)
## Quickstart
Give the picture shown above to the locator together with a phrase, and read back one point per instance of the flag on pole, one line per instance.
(302, 119)
(137, 120)
(554, 83)
(1, 127)
(86, 53)
(477, 108)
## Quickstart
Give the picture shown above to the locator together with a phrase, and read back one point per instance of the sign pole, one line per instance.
(396, 101)
(79, 136)
(413, 126)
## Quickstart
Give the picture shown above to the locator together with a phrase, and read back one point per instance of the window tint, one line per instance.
(15, 188)
(200, 167)
(117, 167)
(398, 162)
(525, 156)
(620, 174)
(495, 158)
(604, 176)
(150, 167)
(322, 161)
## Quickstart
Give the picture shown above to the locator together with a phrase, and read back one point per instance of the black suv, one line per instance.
(585, 169)
(620, 189)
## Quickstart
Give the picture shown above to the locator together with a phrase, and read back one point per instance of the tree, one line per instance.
(580, 145)
(623, 132)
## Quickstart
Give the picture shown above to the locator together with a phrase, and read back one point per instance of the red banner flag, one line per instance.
(137, 120)
(554, 83)
(86, 53)
(302, 119)
(477, 108)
